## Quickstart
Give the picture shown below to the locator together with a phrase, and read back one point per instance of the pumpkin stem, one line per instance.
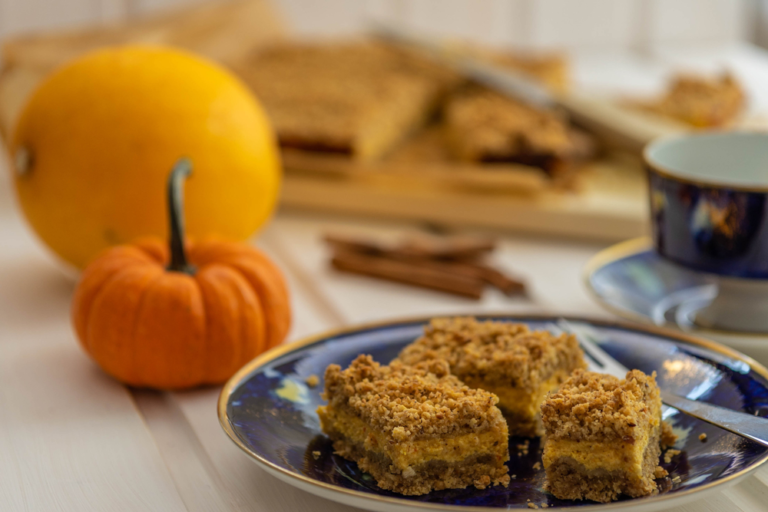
(179, 173)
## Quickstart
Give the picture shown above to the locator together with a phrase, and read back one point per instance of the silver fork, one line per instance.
(751, 427)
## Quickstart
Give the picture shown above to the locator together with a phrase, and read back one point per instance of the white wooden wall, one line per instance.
(520, 23)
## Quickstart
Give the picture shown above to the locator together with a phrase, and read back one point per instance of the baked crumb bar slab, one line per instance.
(516, 364)
(414, 428)
(701, 102)
(482, 125)
(603, 436)
(357, 98)
(486, 126)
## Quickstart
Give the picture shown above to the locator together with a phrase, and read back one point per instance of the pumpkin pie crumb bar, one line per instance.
(518, 365)
(358, 98)
(414, 428)
(702, 102)
(483, 125)
(604, 437)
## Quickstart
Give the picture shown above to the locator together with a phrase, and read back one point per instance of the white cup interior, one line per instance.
(724, 158)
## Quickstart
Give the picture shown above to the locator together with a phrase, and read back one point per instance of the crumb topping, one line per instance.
(332, 92)
(595, 406)
(312, 381)
(411, 402)
(668, 437)
(490, 126)
(495, 352)
(702, 101)
(670, 454)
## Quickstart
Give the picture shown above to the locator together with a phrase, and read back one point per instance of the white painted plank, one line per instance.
(18, 16)
(751, 494)
(199, 484)
(441, 18)
(717, 502)
(248, 488)
(71, 438)
(386, 12)
(500, 23)
(326, 19)
(698, 20)
(506, 23)
(112, 10)
(562, 24)
(142, 7)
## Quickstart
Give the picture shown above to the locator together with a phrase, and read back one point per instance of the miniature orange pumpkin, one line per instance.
(191, 317)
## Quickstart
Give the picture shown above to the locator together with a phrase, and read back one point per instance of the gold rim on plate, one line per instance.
(630, 248)
(238, 378)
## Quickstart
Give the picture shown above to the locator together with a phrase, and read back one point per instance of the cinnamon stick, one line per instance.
(451, 248)
(419, 274)
(355, 245)
(437, 259)
(508, 285)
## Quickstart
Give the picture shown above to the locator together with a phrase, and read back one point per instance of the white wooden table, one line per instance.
(73, 439)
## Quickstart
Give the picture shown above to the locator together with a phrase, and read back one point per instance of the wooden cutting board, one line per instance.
(417, 182)
(607, 202)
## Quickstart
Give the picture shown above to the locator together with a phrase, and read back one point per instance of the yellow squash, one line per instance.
(93, 145)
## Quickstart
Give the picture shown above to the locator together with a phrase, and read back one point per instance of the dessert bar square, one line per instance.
(700, 101)
(482, 125)
(485, 126)
(518, 365)
(355, 98)
(414, 429)
(603, 436)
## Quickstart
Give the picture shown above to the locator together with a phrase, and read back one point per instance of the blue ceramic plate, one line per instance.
(268, 410)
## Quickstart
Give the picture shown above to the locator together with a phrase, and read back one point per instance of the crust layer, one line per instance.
(480, 470)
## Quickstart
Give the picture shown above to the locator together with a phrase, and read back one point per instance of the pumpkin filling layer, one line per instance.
(410, 454)
(610, 456)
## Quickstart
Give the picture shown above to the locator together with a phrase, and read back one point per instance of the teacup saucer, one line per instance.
(631, 280)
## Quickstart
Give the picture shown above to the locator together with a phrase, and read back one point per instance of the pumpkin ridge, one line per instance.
(262, 327)
(91, 283)
(110, 314)
(260, 294)
(102, 288)
(199, 276)
(140, 306)
(218, 280)
(265, 284)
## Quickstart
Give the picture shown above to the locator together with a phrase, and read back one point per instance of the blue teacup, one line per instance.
(708, 195)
